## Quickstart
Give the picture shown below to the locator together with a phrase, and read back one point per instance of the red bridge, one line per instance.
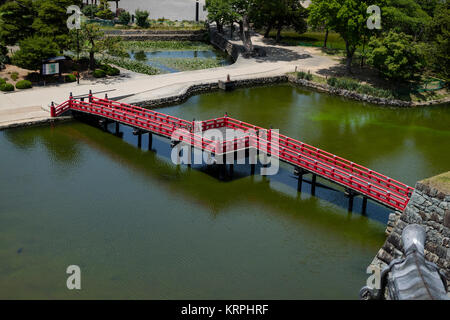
(305, 158)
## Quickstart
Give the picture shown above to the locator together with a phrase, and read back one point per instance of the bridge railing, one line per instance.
(333, 173)
(335, 161)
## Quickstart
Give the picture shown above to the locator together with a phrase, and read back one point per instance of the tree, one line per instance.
(221, 12)
(51, 20)
(395, 55)
(33, 50)
(90, 11)
(321, 15)
(350, 21)
(142, 18)
(405, 16)
(16, 19)
(439, 56)
(105, 11)
(90, 39)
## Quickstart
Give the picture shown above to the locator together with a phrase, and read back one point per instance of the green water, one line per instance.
(141, 228)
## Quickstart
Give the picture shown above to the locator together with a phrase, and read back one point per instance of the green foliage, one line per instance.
(14, 76)
(4, 59)
(105, 14)
(51, 19)
(221, 12)
(142, 18)
(33, 50)
(132, 65)
(124, 18)
(188, 64)
(353, 85)
(16, 18)
(109, 70)
(2, 81)
(70, 78)
(148, 45)
(395, 55)
(23, 84)
(99, 73)
(90, 11)
(304, 75)
(6, 87)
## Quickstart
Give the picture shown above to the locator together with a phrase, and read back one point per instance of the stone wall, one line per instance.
(430, 207)
(363, 97)
(222, 43)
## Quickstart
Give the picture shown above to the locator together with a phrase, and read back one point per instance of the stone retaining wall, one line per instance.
(363, 97)
(429, 207)
(222, 43)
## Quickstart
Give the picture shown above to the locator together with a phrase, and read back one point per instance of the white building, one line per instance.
(169, 9)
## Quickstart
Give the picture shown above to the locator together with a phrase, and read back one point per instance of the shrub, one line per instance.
(105, 14)
(112, 71)
(6, 87)
(33, 50)
(332, 81)
(90, 10)
(14, 76)
(70, 78)
(124, 18)
(99, 73)
(142, 18)
(23, 84)
(2, 81)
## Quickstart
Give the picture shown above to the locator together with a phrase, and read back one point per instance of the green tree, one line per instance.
(321, 14)
(395, 55)
(16, 19)
(405, 16)
(221, 12)
(90, 11)
(439, 55)
(33, 50)
(142, 18)
(51, 19)
(90, 39)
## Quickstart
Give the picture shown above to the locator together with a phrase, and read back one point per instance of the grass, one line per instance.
(440, 182)
(166, 45)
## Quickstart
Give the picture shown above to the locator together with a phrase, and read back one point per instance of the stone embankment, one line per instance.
(158, 35)
(430, 207)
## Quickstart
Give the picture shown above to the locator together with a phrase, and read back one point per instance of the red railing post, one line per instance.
(70, 100)
(52, 110)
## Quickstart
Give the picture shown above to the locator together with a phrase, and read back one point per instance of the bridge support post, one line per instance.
(351, 195)
(150, 141)
(313, 184)
(299, 172)
(252, 169)
(138, 133)
(364, 206)
(231, 170)
(117, 129)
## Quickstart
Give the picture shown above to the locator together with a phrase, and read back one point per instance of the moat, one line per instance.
(140, 227)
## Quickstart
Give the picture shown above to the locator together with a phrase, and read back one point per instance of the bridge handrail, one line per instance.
(374, 176)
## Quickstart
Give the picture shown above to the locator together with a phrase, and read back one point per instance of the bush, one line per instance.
(2, 81)
(33, 50)
(142, 18)
(6, 87)
(23, 84)
(99, 73)
(124, 18)
(70, 78)
(105, 14)
(14, 76)
(90, 10)
(113, 71)
(332, 81)
(303, 75)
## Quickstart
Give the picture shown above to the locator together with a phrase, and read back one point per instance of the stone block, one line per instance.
(447, 218)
